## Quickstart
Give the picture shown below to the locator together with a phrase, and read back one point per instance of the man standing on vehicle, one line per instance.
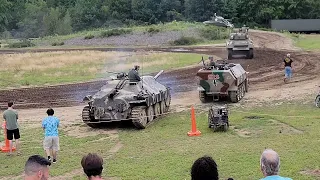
(11, 117)
(287, 67)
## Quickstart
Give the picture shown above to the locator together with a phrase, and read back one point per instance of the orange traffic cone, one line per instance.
(6, 147)
(194, 131)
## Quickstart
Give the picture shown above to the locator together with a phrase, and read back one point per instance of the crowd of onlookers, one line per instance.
(37, 167)
(204, 168)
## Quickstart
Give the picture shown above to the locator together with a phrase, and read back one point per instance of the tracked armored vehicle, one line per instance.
(224, 80)
(219, 21)
(239, 43)
(120, 100)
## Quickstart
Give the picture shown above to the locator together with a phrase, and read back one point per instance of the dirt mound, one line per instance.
(271, 40)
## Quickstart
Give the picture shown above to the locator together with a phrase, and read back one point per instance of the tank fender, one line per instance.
(201, 89)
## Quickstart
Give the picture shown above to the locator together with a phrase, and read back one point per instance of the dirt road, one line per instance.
(266, 73)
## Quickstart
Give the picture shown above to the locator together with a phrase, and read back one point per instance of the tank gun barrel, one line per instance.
(159, 73)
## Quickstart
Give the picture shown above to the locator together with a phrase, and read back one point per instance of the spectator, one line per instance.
(36, 168)
(92, 165)
(51, 145)
(204, 168)
(270, 165)
(11, 117)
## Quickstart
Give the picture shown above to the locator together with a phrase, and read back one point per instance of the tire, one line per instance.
(317, 101)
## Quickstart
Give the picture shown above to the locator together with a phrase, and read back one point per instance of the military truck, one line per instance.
(223, 80)
(239, 43)
(120, 99)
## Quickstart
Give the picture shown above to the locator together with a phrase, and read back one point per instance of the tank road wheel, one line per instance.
(139, 117)
(87, 118)
(150, 113)
(233, 95)
(210, 117)
(162, 107)
(317, 101)
(157, 110)
(167, 102)
(230, 53)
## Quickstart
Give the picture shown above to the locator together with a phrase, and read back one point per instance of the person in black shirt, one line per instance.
(287, 67)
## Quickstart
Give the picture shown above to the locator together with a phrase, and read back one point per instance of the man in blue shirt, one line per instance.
(51, 145)
(270, 165)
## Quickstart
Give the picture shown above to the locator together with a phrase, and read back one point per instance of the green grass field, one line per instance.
(37, 69)
(164, 151)
(308, 42)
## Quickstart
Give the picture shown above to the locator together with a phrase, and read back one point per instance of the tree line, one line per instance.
(37, 18)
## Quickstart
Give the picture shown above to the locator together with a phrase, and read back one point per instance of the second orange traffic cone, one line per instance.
(194, 131)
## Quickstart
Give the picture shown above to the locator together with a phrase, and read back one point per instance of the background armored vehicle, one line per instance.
(121, 100)
(218, 118)
(222, 80)
(219, 21)
(239, 43)
(317, 100)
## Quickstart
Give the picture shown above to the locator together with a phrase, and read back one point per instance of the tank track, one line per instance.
(139, 117)
(87, 119)
(203, 97)
(236, 96)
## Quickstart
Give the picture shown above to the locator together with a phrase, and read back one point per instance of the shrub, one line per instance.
(89, 36)
(214, 33)
(153, 30)
(57, 44)
(21, 44)
(185, 41)
(115, 32)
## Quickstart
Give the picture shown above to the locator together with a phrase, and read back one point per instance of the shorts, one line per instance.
(13, 133)
(288, 72)
(51, 142)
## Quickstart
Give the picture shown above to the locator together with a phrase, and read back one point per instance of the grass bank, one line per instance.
(50, 68)
(307, 42)
(164, 151)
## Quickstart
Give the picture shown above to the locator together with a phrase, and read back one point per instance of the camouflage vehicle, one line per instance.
(239, 43)
(219, 21)
(218, 118)
(222, 80)
(120, 100)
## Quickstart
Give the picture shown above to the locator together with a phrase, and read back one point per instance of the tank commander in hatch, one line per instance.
(211, 62)
(134, 74)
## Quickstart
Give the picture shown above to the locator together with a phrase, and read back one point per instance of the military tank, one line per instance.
(219, 21)
(120, 100)
(223, 80)
(239, 43)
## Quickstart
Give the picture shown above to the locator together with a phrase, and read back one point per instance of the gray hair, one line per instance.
(270, 162)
